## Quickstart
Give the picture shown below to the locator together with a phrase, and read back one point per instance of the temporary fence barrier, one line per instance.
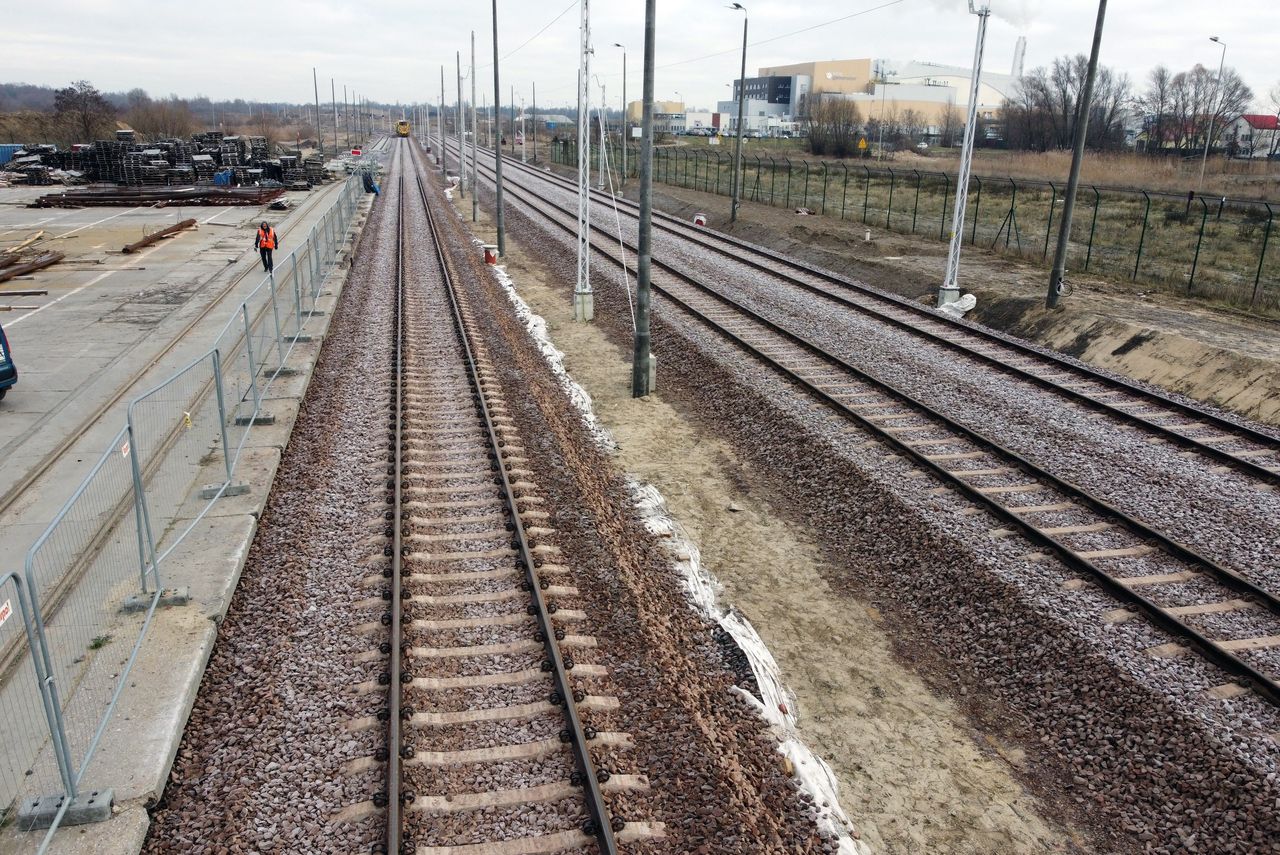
(73, 622)
(1204, 245)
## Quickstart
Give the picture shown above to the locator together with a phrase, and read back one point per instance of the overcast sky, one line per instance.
(393, 50)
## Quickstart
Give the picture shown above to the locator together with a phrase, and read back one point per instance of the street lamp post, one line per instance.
(1209, 136)
(625, 129)
(884, 84)
(742, 99)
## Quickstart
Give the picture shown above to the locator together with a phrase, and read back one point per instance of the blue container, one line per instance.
(7, 151)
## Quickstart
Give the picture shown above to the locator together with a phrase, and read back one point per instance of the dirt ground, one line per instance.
(1215, 354)
(914, 776)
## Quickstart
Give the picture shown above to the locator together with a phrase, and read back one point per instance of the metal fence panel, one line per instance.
(177, 432)
(92, 580)
(1220, 248)
(24, 724)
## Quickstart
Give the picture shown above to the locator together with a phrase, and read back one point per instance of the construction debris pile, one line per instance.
(27, 257)
(206, 159)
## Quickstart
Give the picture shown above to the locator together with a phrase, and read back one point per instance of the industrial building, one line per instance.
(880, 87)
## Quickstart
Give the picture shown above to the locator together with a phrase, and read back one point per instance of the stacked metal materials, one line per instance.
(160, 197)
(125, 161)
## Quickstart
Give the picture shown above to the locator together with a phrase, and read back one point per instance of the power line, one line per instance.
(732, 50)
(527, 41)
(787, 35)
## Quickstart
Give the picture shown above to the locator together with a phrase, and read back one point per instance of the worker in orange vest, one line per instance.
(265, 242)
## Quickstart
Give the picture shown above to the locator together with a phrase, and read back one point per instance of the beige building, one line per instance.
(880, 87)
(635, 109)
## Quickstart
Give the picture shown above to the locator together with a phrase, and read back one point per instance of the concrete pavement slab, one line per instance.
(145, 731)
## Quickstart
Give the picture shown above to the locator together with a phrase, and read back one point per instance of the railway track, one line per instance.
(1227, 618)
(491, 694)
(1222, 440)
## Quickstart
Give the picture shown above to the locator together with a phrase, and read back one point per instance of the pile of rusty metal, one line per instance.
(26, 258)
(159, 197)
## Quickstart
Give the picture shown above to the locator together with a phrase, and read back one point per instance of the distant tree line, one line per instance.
(80, 113)
(1175, 110)
(835, 126)
(1042, 114)
(1178, 108)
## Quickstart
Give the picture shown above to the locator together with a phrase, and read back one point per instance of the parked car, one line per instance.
(8, 371)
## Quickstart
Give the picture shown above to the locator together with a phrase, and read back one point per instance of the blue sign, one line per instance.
(551, 126)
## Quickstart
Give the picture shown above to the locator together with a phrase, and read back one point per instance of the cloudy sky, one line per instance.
(392, 49)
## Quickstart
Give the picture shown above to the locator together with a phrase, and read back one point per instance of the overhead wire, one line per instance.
(734, 50)
(617, 218)
(786, 35)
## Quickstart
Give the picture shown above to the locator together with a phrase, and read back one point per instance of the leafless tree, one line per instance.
(949, 124)
(833, 125)
(1157, 107)
(911, 124)
(1274, 98)
(168, 118)
(84, 109)
(1042, 114)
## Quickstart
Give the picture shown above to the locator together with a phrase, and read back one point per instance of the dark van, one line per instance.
(8, 372)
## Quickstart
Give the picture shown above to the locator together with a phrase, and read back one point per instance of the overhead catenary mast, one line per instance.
(461, 130)
(475, 133)
(583, 299)
(440, 122)
(949, 291)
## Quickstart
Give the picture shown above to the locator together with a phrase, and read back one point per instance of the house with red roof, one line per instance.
(1254, 135)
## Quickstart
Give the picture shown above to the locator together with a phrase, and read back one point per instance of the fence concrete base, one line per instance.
(91, 806)
(168, 597)
(213, 491)
(260, 419)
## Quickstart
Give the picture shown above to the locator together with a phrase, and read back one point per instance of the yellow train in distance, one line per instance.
(402, 128)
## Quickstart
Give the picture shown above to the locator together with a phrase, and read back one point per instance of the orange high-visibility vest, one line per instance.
(266, 238)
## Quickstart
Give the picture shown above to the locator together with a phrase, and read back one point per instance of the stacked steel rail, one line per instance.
(967, 461)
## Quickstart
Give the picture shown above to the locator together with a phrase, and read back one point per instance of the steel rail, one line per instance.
(395, 617)
(1264, 684)
(600, 826)
(744, 254)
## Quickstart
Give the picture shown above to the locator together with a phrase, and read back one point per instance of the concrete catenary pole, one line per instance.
(641, 357)
(1077, 155)
(475, 134)
(315, 83)
(444, 170)
(626, 131)
(346, 115)
(333, 98)
(742, 98)
(461, 130)
(497, 151)
(534, 117)
(949, 291)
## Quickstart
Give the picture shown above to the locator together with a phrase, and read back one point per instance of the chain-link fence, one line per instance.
(73, 622)
(1210, 246)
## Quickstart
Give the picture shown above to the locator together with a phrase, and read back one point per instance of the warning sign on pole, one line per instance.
(862, 144)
